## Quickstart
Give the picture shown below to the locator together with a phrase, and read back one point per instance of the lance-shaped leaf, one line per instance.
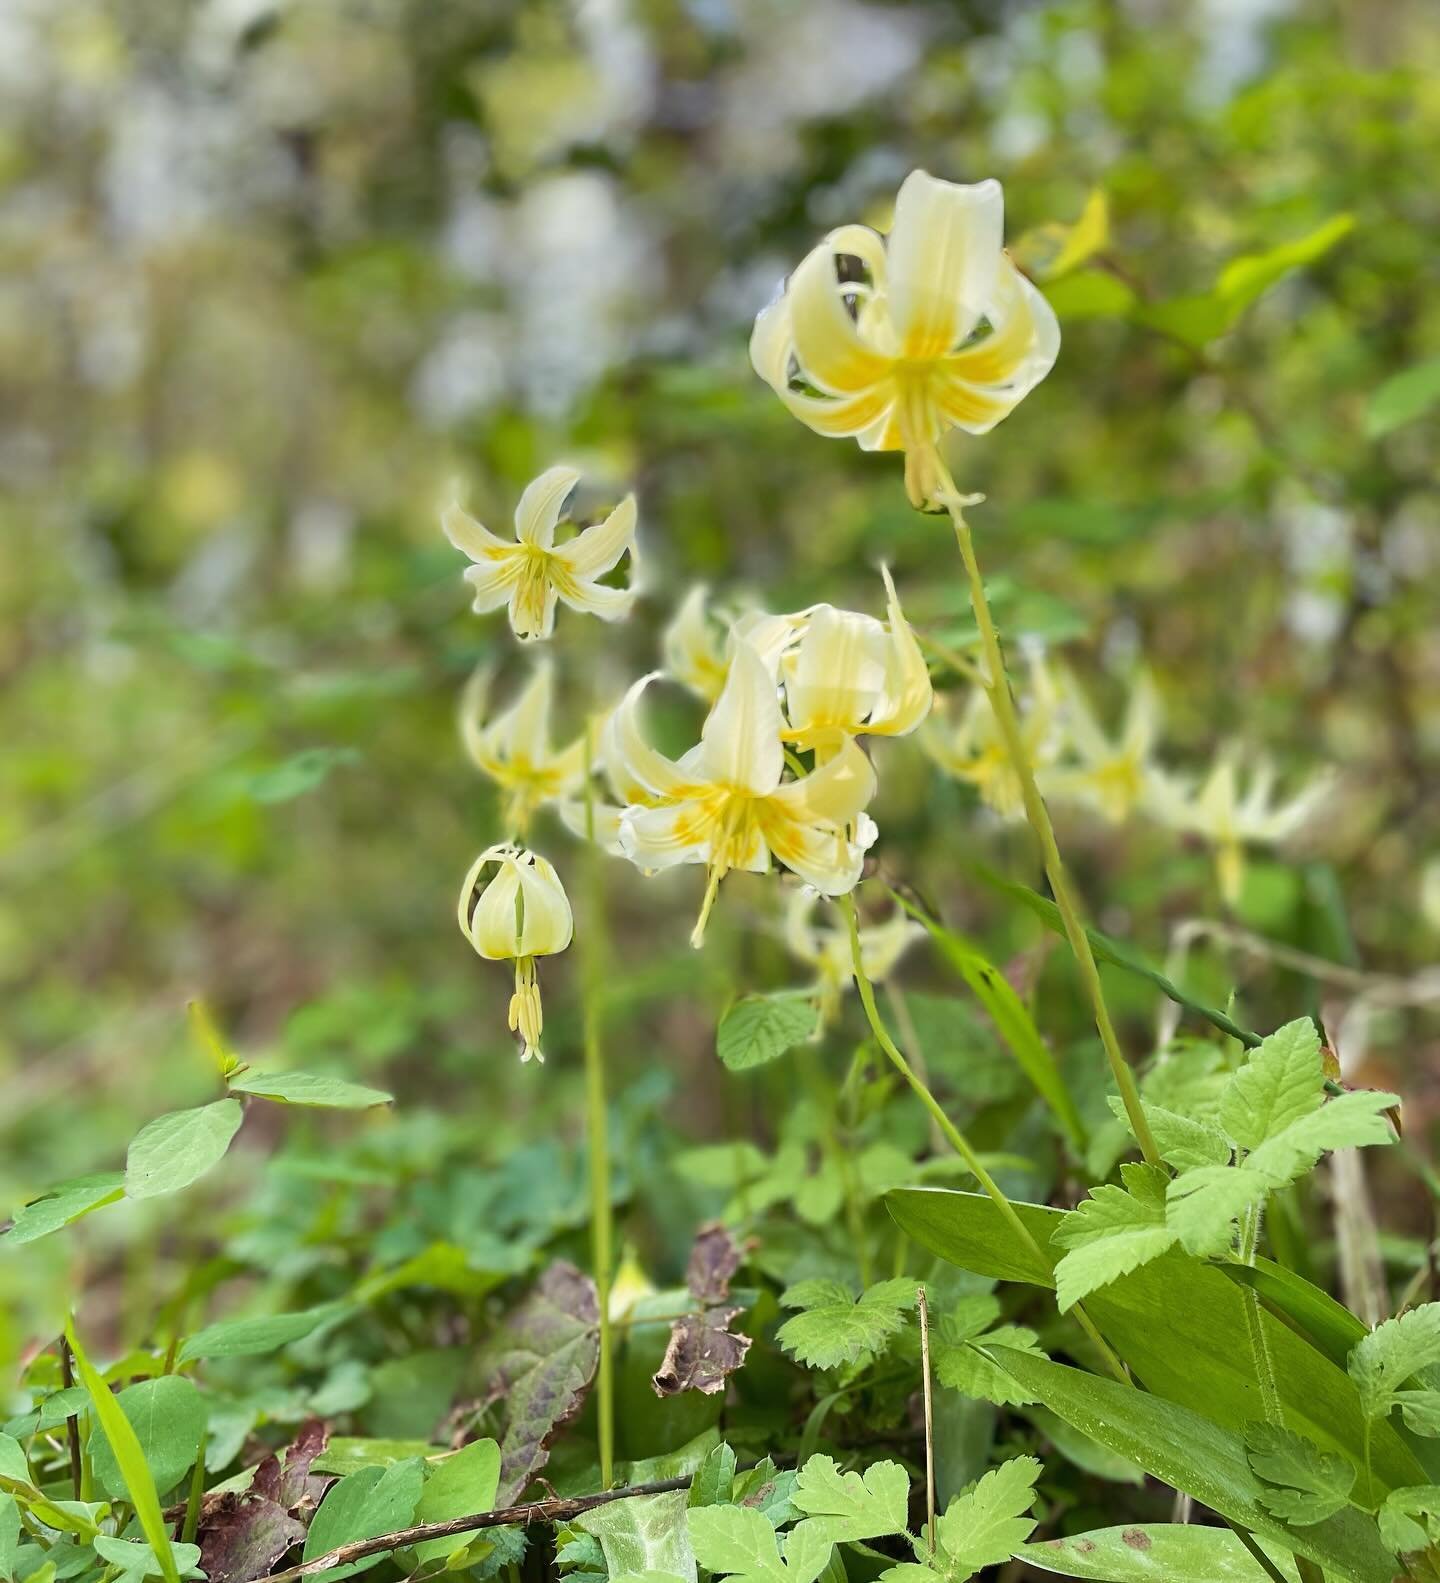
(1149, 1552)
(703, 1351)
(1309, 1484)
(542, 1363)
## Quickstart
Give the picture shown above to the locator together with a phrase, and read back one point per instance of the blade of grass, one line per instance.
(128, 1455)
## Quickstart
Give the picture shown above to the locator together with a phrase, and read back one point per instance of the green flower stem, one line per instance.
(1003, 702)
(952, 1134)
(602, 1234)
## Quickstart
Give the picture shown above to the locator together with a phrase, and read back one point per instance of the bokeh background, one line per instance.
(277, 277)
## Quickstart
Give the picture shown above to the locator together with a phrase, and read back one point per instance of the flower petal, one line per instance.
(944, 250)
(538, 509)
(692, 653)
(908, 693)
(546, 922)
(628, 756)
(834, 794)
(837, 675)
(656, 838)
(977, 387)
(595, 599)
(494, 926)
(825, 859)
(532, 609)
(593, 552)
(471, 538)
(494, 584)
(741, 738)
(832, 353)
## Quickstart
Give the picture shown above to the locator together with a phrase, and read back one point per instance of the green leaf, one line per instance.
(309, 1088)
(249, 1338)
(835, 1327)
(741, 1542)
(1350, 1121)
(645, 1537)
(761, 1028)
(1410, 1518)
(1193, 1455)
(1156, 1553)
(985, 1524)
(1183, 1143)
(1202, 1206)
(714, 1480)
(300, 773)
(1392, 1354)
(345, 1455)
(1403, 398)
(175, 1150)
(364, 1505)
(457, 1486)
(1111, 1233)
(131, 1459)
(968, 1230)
(1311, 1484)
(1245, 279)
(1282, 1081)
(1090, 294)
(168, 1416)
(958, 1360)
(848, 1506)
(136, 1559)
(62, 1205)
(1086, 1454)
(1012, 1020)
(1328, 1324)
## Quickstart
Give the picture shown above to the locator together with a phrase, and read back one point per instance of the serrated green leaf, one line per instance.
(985, 1524)
(136, 1559)
(1351, 1121)
(714, 1480)
(1403, 398)
(175, 1150)
(849, 1506)
(1111, 1233)
(309, 1088)
(1421, 1411)
(1310, 1484)
(741, 1542)
(960, 1364)
(1393, 1353)
(1184, 1143)
(1202, 1206)
(1282, 1081)
(1410, 1518)
(364, 1505)
(62, 1205)
(761, 1028)
(140, 1486)
(835, 1328)
(168, 1416)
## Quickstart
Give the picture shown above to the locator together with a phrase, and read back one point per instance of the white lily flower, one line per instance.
(944, 332)
(522, 912)
(972, 749)
(1230, 818)
(1110, 775)
(514, 750)
(851, 674)
(534, 572)
(697, 647)
(726, 803)
(826, 948)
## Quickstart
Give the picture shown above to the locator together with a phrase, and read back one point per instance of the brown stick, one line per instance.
(551, 1511)
(924, 1310)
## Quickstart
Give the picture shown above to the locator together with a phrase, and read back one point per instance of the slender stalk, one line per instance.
(597, 1128)
(1247, 1539)
(1003, 703)
(923, 1308)
(196, 1497)
(72, 1424)
(954, 1137)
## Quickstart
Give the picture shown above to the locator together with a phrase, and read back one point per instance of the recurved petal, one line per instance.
(656, 838)
(523, 731)
(801, 936)
(593, 552)
(470, 538)
(975, 388)
(538, 509)
(829, 347)
(823, 858)
(546, 924)
(837, 674)
(834, 794)
(595, 599)
(603, 818)
(740, 740)
(629, 757)
(944, 251)
(908, 693)
(494, 582)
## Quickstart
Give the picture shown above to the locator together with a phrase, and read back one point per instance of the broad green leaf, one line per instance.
(1282, 1081)
(849, 1506)
(139, 1485)
(1111, 1233)
(9, 1534)
(835, 1328)
(1245, 279)
(248, 1338)
(645, 1535)
(168, 1416)
(1202, 1206)
(62, 1205)
(1091, 294)
(1310, 1484)
(968, 1230)
(1011, 1018)
(740, 1542)
(136, 1559)
(1088, 1455)
(175, 1150)
(457, 1486)
(985, 1524)
(1350, 1121)
(1156, 1553)
(309, 1088)
(761, 1028)
(1328, 1324)
(301, 773)
(714, 1480)
(1403, 398)
(1393, 1353)
(1193, 1455)
(364, 1505)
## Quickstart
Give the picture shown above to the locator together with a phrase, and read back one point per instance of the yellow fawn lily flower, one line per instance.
(1231, 819)
(972, 749)
(1110, 775)
(514, 750)
(523, 912)
(697, 647)
(534, 572)
(942, 332)
(726, 803)
(850, 674)
(826, 948)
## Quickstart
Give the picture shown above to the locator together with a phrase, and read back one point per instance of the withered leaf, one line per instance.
(713, 1262)
(541, 1363)
(702, 1350)
(243, 1534)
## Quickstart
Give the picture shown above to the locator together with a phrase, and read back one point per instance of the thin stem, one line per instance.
(197, 1495)
(1247, 1539)
(1003, 703)
(72, 1424)
(923, 1308)
(597, 1128)
(954, 1137)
